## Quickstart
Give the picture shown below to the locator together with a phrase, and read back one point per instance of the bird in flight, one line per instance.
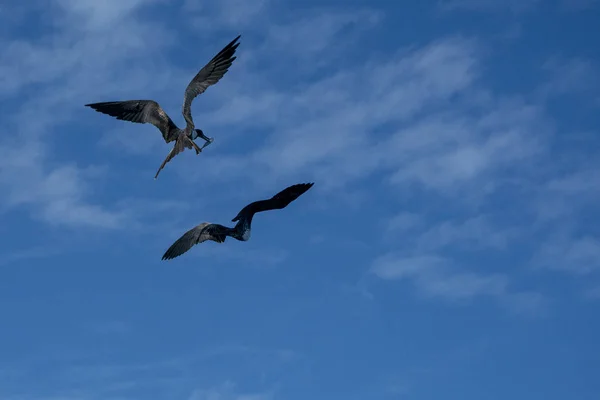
(241, 231)
(149, 111)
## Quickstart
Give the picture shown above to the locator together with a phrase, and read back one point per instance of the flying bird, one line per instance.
(241, 231)
(150, 112)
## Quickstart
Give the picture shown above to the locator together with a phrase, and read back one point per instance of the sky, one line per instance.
(448, 248)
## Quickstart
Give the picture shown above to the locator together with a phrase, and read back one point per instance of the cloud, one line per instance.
(434, 277)
(579, 255)
(438, 277)
(420, 120)
(569, 76)
(227, 14)
(308, 36)
(31, 253)
(227, 391)
(87, 46)
(473, 232)
(593, 293)
(99, 375)
(416, 120)
(456, 260)
(335, 144)
(404, 222)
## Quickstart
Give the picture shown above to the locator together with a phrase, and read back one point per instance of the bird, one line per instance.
(149, 111)
(241, 231)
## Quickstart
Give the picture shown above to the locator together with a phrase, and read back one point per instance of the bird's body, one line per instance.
(242, 229)
(149, 111)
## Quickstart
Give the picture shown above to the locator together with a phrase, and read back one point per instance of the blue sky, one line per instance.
(447, 250)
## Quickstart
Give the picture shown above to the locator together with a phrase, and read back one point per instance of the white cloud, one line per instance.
(94, 15)
(227, 391)
(336, 143)
(404, 222)
(476, 232)
(307, 36)
(436, 277)
(83, 58)
(579, 255)
(416, 118)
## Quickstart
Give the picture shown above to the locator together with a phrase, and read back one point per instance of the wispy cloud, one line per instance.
(227, 14)
(579, 255)
(593, 293)
(227, 391)
(569, 76)
(381, 92)
(89, 376)
(434, 277)
(52, 77)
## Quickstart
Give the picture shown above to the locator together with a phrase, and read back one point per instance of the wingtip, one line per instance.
(168, 255)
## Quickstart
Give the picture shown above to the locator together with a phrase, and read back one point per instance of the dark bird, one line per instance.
(149, 111)
(241, 231)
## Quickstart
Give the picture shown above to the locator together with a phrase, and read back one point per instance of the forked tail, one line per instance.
(181, 143)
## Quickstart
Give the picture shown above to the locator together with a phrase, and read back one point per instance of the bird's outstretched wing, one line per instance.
(210, 74)
(201, 233)
(139, 111)
(181, 143)
(279, 201)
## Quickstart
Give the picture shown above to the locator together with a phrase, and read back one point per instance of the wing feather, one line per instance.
(210, 74)
(198, 234)
(141, 112)
(279, 201)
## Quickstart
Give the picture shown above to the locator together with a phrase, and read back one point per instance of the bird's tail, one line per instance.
(181, 143)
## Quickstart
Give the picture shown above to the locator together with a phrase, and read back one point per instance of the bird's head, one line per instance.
(197, 133)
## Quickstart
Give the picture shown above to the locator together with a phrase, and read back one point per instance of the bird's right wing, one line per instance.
(201, 233)
(139, 111)
(279, 201)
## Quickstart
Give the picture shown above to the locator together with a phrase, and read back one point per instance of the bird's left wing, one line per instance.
(198, 234)
(210, 74)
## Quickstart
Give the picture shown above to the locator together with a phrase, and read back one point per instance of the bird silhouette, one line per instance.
(241, 231)
(150, 112)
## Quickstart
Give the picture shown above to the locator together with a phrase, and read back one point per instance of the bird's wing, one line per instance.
(181, 143)
(201, 233)
(210, 74)
(139, 111)
(279, 201)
